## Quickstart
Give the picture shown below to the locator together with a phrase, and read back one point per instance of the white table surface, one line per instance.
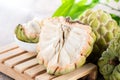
(13, 12)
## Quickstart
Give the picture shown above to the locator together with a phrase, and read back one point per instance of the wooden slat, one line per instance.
(13, 61)
(8, 47)
(25, 65)
(81, 72)
(12, 73)
(21, 65)
(45, 76)
(10, 54)
(32, 72)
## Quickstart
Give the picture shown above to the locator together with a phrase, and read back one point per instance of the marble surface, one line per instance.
(13, 12)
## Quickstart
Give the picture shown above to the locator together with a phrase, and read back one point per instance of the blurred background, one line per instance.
(13, 12)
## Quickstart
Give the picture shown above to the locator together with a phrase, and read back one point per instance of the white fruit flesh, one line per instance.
(63, 46)
(32, 28)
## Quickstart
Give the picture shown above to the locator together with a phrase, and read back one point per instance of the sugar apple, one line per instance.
(64, 45)
(109, 63)
(104, 27)
(28, 32)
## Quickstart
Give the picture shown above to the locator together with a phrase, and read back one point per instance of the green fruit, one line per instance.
(104, 27)
(64, 45)
(20, 34)
(109, 63)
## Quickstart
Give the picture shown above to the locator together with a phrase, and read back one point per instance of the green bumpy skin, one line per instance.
(104, 27)
(20, 34)
(109, 63)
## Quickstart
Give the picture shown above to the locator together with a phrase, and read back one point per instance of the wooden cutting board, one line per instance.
(22, 65)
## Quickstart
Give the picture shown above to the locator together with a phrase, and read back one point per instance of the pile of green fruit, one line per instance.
(106, 28)
(109, 63)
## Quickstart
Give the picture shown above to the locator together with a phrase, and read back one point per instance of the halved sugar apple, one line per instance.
(109, 63)
(64, 45)
(104, 27)
(29, 32)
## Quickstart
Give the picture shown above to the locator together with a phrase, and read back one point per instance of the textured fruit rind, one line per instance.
(109, 63)
(53, 66)
(104, 27)
(20, 34)
(81, 61)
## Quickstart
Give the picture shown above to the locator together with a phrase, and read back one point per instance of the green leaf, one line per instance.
(64, 9)
(72, 9)
(64, 1)
(82, 2)
(114, 0)
(116, 18)
(117, 0)
(80, 7)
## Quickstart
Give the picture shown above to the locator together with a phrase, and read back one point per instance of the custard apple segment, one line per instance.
(64, 45)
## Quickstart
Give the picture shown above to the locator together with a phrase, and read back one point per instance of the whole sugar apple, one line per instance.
(104, 27)
(109, 63)
(64, 45)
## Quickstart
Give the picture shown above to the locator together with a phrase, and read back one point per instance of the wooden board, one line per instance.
(22, 65)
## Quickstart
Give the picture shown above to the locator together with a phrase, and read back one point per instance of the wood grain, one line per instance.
(45, 76)
(84, 70)
(10, 54)
(8, 47)
(18, 59)
(25, 65)
(22, 65)
(32, 72)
